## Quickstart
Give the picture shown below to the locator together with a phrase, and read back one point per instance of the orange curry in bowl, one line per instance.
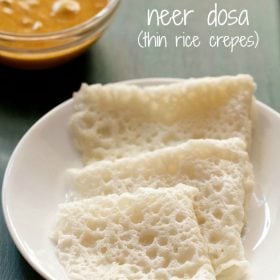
(41, 16)
(23, 20)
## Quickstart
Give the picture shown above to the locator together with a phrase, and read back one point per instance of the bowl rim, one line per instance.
(94, 21)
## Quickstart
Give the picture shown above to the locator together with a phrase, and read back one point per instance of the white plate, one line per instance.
(33, 186)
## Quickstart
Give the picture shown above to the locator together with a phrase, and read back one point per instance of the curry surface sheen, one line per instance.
(43, 16)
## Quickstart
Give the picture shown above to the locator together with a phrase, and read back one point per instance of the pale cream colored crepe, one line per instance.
(149, 234)
(220, 169)
(118, 120)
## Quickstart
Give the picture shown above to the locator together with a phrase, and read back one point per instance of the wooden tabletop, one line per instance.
(27, 95)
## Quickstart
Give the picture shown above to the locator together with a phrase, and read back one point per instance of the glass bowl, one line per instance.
(54, 48)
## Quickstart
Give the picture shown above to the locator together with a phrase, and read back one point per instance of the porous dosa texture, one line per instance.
(219, 169)
(148, 234)
(119, 120)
